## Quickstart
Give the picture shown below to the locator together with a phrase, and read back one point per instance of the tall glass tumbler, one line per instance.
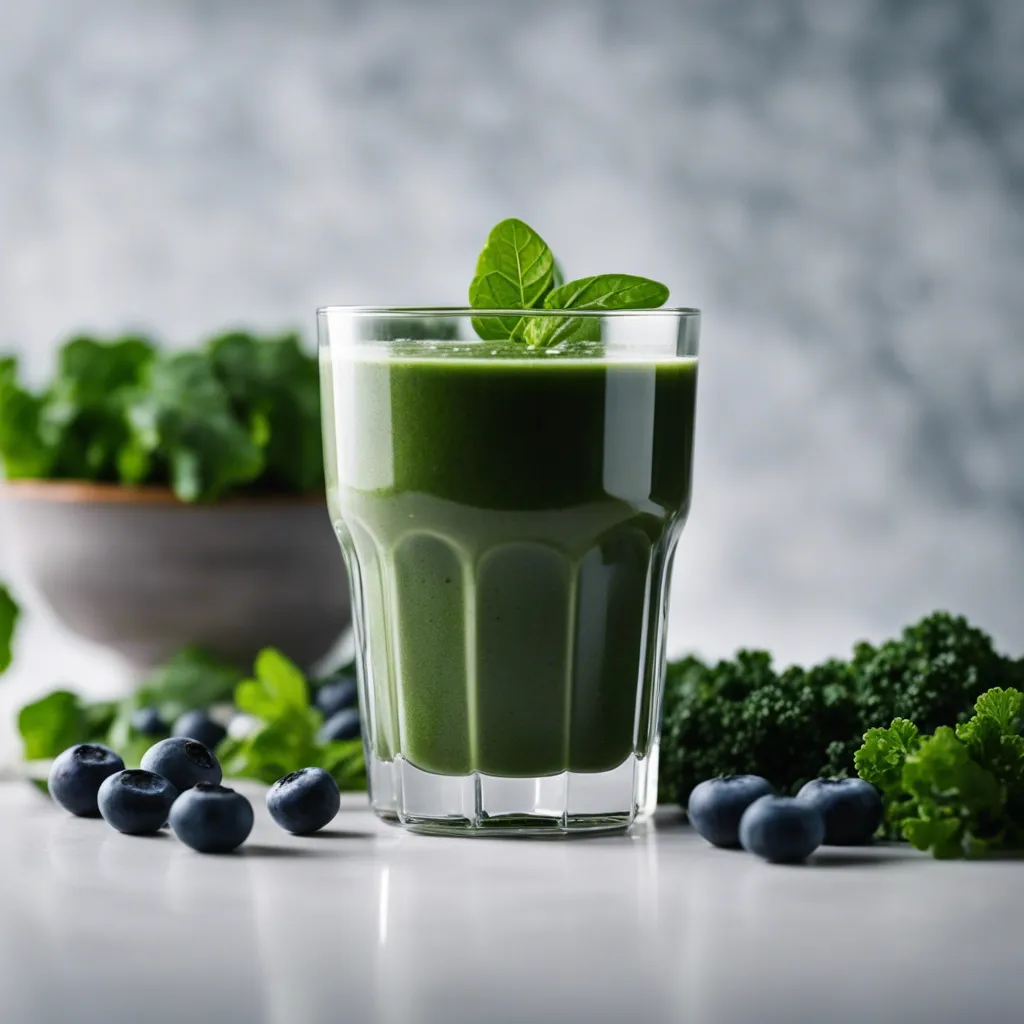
(508, 515)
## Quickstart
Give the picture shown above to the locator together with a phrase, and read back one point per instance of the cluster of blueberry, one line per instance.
(179, 785)
(337, 701)
(743, 811)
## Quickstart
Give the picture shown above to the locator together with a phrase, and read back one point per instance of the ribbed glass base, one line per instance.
(484, 805)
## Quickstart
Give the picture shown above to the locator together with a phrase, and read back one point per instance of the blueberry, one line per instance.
(211, 818)
(304, 801)
(136, 802)
(199, 726)
(183, 762)
(716, 806)
(851, 809)
(147, 722)
(781, 829)
(344, 725)
(77, 774)
(341, 693)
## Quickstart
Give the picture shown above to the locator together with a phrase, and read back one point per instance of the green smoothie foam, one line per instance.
(510, 518)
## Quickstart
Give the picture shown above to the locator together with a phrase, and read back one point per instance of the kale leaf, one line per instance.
(740, 715)
(958, 792)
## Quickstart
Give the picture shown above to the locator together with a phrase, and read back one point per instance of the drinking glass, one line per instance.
(508, 489)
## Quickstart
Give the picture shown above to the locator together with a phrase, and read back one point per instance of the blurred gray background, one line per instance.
(837, 184)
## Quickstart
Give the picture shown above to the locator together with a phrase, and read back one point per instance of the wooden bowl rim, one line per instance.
(82, 492)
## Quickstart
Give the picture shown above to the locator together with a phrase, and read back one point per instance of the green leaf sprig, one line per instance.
(958, 792)
(517, 270)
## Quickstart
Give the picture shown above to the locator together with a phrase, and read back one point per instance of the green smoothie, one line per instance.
(508, 521)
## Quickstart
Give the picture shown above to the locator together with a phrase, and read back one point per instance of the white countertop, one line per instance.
(367, 923)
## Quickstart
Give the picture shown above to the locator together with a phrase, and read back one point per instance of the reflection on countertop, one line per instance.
(367, 923)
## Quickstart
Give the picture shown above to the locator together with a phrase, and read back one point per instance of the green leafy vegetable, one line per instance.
(931, 674)
(192, 678)
(608, 291)
(52, 724)
(287, 738)
(557, 274)
(880, 761)
(9, 613)
(24, 451)
(185, 416)
(517, 270)
(278, 689)
(958, 792)
(273, 382)
(240, 412)
(741, 715)
(514, 271)
(278, 695)
(605, 291)
(84, 411)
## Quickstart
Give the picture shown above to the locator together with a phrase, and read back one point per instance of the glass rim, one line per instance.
(679, 312)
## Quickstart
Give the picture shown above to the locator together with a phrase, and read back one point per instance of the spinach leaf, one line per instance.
(183, 415)
(243, 411)
(279, 687)
(192, 678)
(557, 275)
(608, 291)
(51, 725)
(287, 739)
(275, 387)
(603, 291)
(9, 612)
(514, 271)
(25, 453)
(278, 695)
(84, 410)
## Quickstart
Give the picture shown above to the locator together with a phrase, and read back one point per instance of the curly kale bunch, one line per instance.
(932, 675)
(741, 716)
(958, 792)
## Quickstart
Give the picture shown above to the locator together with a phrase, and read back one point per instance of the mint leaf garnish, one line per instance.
(514, 271)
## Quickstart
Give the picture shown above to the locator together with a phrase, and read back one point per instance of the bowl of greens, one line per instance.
(157, 499)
